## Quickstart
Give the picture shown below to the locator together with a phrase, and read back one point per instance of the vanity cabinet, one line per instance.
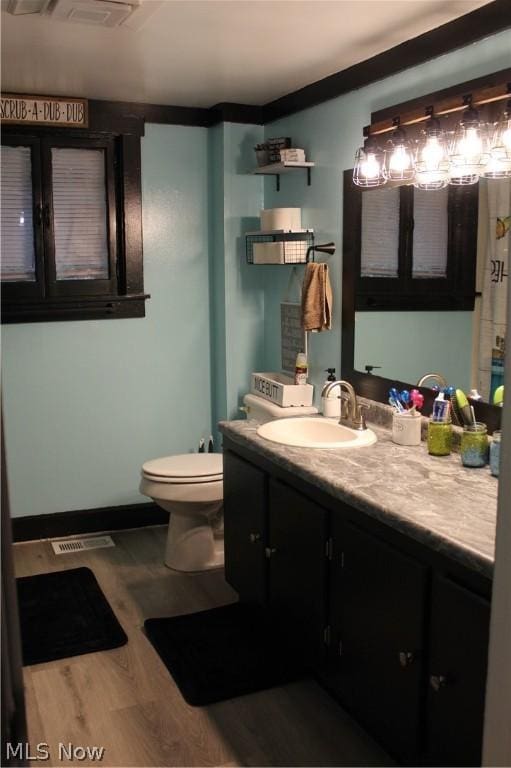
(245, 502)
(457, 674)
(397, 632)
(298, 569)
(377, 615)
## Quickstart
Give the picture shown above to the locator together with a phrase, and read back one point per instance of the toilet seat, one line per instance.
(185, 469)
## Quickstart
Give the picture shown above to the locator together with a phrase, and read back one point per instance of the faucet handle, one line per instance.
(361, 419)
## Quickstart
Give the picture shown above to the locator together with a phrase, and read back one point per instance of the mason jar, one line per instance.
(495, 453)
(474, 445)
(439, 438)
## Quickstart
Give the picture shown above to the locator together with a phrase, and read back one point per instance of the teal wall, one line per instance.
(86, 403)
(238, 289)
(330, 134)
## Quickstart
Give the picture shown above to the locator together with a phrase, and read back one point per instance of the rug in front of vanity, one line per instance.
(64, 614)
(223, 653)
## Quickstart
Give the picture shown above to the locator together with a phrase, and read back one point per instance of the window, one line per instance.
(68, 248)
(413, 249)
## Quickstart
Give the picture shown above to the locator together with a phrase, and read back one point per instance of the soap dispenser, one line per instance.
(331, 405)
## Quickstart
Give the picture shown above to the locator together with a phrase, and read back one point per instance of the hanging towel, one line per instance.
(316, 298)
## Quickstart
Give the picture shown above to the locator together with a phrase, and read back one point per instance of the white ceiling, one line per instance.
(199, 53)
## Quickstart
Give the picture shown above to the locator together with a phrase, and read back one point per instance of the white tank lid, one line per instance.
(274, 411)
(186, 465)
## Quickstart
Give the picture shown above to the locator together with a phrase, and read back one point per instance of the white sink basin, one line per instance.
(315, 432)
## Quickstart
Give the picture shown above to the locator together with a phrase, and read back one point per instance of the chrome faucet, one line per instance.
(436, 376)
(352, 416)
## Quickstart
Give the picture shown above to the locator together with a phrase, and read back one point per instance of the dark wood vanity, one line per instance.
(395, 630)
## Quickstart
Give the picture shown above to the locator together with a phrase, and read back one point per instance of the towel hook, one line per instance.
(328, 248)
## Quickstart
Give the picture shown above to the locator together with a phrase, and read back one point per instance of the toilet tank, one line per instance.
(262, 410)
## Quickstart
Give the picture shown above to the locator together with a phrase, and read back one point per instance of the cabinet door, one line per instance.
(377, 600)
(457, 674)
(297, 580)
(245, 528)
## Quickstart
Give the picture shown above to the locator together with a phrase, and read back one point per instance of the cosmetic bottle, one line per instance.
(301, 368)
(331, 405)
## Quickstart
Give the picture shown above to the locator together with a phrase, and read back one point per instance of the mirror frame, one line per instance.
(370, 385)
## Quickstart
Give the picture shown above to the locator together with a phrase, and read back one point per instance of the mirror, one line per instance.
(465, 345)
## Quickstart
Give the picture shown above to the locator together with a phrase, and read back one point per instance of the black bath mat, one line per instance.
(63, 614)
(222, 653)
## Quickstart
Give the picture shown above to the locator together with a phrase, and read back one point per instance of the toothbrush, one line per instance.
(417, 399)
(395, 401)
(405, 398)
(396, 404)
(498, 396)
(463, 407)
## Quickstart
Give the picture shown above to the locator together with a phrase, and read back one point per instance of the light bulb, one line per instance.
(400, 162)
(470, 152)
(431, 159)
(400, 159)
(506, 139)
(470, 144)
(432, 153)
(370, 167)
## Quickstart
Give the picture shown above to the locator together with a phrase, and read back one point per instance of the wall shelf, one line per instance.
(276, 169)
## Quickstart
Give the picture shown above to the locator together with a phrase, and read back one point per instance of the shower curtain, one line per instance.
(492, 326)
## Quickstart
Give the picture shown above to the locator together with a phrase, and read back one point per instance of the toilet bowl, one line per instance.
(190, 487)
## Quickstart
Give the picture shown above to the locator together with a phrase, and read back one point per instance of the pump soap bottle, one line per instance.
(331, 405)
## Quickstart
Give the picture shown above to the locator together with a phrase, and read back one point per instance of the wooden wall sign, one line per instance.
(43, 110)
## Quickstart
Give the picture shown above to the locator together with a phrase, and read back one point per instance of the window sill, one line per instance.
(83, 308)
(375, 302)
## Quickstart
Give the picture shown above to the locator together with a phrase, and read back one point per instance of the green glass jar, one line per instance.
(439, 438)
(474, 445)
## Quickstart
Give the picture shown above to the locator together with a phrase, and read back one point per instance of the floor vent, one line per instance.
(65, 546)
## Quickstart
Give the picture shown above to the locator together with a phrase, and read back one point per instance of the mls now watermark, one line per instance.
(43, 751)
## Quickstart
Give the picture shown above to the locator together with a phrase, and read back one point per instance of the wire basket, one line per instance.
(278, 247)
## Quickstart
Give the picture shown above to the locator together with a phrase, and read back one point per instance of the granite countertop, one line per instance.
(435, 500)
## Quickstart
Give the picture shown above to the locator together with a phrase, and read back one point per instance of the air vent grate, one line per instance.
(66, 546)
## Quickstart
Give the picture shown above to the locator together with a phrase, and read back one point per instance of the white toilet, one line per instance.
(190, 487)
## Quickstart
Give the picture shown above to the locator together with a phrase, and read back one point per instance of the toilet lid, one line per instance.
(187, 467)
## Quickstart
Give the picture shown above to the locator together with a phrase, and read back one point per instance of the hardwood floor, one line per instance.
(126, 701)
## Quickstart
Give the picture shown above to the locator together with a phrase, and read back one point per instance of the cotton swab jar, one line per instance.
(474, 445)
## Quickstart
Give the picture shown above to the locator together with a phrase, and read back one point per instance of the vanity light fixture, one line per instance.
(399, 158)
(369, 164)
(431, 160)
(469, 149)
(499, 160)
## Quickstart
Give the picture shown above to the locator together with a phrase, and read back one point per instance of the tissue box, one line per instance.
(281, 389)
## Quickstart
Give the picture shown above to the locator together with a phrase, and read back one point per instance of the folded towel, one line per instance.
(316, 298)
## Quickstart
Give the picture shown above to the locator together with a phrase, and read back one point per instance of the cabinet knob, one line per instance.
(254, 538)
(406, 658)
(437, 682)
(269, 551)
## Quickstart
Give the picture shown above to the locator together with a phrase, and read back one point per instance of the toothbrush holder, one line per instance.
(439, 437)
(406, 428)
